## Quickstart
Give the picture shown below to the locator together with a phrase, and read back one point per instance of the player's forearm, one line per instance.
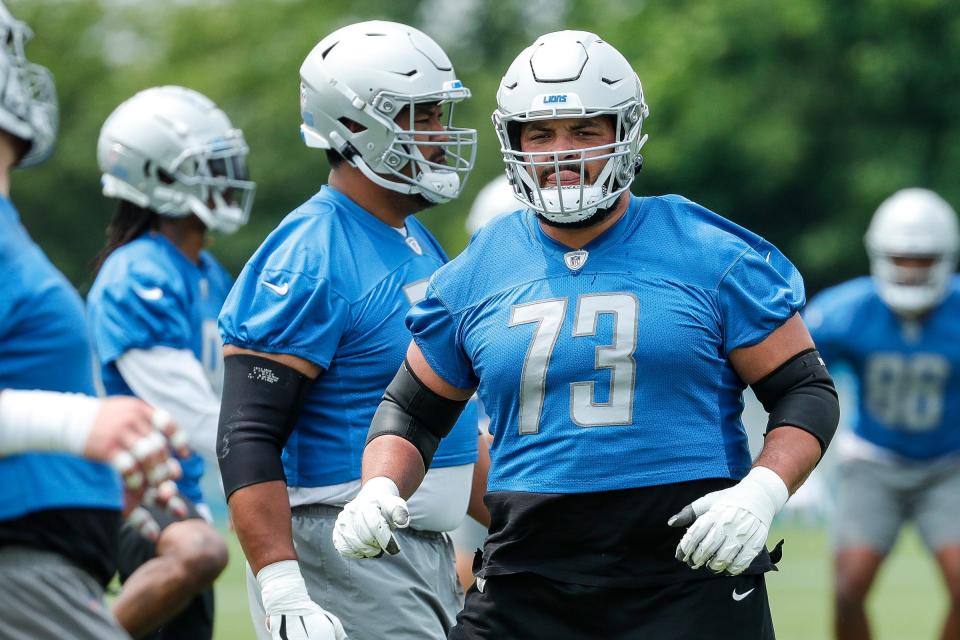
(261, 516)
(45, 421)
(791, 453)
(395, 458)
(477, 508)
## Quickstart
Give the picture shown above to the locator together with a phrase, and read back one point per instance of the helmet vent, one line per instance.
(328, 50)
(610, 81)
(408, 74)
(511, 86)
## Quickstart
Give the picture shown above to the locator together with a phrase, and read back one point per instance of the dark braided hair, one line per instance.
(127, 224)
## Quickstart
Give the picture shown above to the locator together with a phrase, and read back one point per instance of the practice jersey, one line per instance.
(908, 372)
(44, 345)
(608, 368)
(149, 294)
(332, 285)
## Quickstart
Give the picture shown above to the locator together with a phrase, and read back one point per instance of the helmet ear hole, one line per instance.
(164, 176)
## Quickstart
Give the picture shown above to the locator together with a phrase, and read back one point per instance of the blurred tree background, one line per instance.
(794, 118)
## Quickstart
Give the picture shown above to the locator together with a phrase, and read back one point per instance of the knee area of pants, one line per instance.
(196, 547)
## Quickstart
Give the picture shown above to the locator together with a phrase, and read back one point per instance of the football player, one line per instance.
(177, 167)
(494, 199)
(610, 338)
(314, 330)
(59, 513)
(898, 333)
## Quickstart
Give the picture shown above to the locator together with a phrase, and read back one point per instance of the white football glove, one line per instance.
(365, 526)
(729, 528)
(291, 614)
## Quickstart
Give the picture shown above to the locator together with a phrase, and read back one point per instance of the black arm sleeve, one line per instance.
(412, 410)
(800, 393)
(261, 402)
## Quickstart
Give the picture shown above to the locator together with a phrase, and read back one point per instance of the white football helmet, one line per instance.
(496, 198)
(28, 99)
(571, 74)
(173, 151)
(358, 79)
(913, 223)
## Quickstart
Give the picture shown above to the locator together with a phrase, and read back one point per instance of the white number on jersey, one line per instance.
(618, 357)
(906, 391)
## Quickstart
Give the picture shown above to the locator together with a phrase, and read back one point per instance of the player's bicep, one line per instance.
(756, 361)
(431, 379)
(305, 367)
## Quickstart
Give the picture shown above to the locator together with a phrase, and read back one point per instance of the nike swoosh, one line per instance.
(278, 289)
(740, 596)
(152, 294)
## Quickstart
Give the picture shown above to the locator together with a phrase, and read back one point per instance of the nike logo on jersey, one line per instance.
(279, 289)
(152, 294)
(740, 596)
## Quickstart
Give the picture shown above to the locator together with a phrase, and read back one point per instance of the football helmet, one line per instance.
(913, 223)
(496, 198)
(28, 99)
(355, 83)
(571, 74)
(173, 151)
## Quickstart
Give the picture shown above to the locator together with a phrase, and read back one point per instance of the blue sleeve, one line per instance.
(436, 332)
(274, 310)
(828, 335)
(139, 311)
(760, 292)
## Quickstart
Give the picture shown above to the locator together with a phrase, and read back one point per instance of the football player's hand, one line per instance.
(729, 528)
(136, 439)
(291, 614)
(365, 527)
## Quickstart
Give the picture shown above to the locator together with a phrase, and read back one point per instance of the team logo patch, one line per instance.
(413, 244)
(575, 259)
(555, 99)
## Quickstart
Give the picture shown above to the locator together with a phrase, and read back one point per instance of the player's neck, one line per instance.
(388, 206)
(187, 234)
(577, 238)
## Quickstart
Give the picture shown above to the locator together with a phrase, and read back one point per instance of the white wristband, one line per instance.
(282, 586)
(380, 485)
(45, 421)
(771, 485)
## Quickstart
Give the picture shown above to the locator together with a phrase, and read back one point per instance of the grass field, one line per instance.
(907, 603)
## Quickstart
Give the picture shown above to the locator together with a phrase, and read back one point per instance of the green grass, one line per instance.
(907, 603)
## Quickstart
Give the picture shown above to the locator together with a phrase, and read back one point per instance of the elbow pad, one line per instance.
(261, 403)
(412, 410)
(800, 393)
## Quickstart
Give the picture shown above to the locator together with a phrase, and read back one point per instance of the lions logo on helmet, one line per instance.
(913, 242)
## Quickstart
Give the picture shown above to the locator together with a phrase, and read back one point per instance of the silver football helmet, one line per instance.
(354, 84)
(571, 74)
(28, 99)
(495, 199)
(913, 223)
(173, 151)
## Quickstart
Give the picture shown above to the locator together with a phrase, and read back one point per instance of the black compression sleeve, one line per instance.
(261, 402)
(800, 393)
(412, 410)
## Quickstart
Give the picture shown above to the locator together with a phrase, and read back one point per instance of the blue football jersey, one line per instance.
(907, 373)
(44, 345)
(332, 285)
(608, 368)
(149, 294)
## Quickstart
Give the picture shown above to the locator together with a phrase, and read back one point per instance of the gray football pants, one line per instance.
(414, 595)
(45, 597)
